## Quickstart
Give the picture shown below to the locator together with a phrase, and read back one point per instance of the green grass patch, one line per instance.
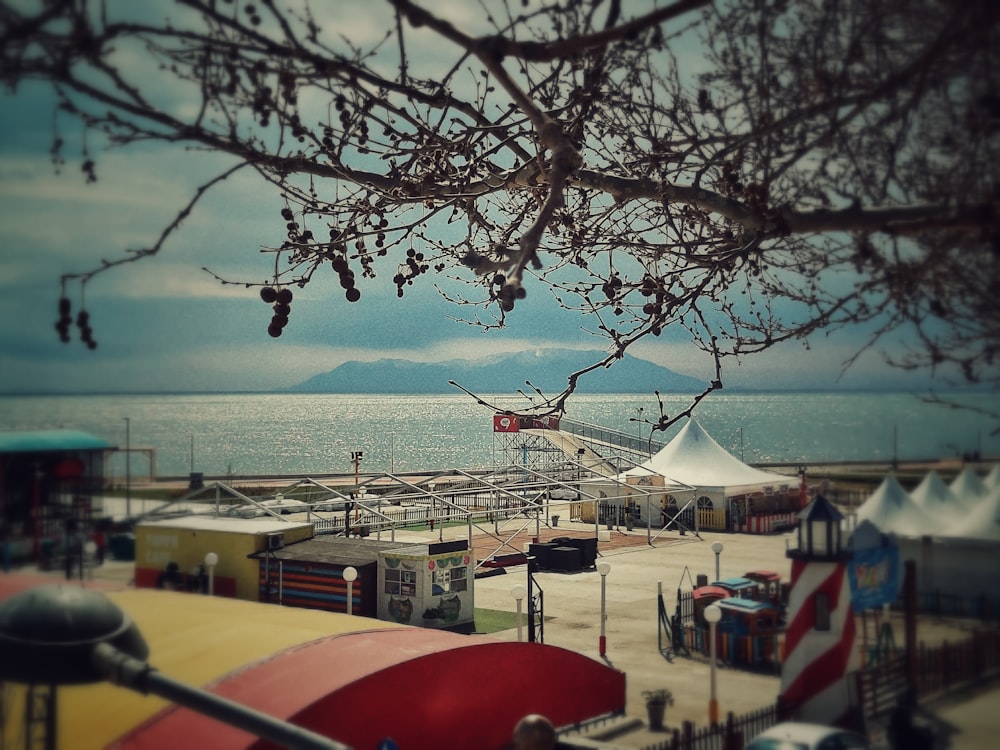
(494, 620)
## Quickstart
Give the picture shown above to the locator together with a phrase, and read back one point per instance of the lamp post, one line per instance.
(717, 549)
(434, 518)
(350, 575)
(712, 615)
(128, 468)
(518, 591)
(603, 568)
(211, 560)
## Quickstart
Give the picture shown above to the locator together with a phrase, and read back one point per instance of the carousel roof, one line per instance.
(354, 679)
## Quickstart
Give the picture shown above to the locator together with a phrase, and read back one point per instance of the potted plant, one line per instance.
(656, 705)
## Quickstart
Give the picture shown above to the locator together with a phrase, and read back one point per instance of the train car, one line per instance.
(748, 632)
(702, 597)
(738, 586)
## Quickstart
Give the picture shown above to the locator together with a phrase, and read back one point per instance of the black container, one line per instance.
(565, 559)
(541, 551)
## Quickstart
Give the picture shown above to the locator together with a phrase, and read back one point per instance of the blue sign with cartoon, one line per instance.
(873, 570)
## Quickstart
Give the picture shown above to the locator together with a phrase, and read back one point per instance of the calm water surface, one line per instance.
(307, 433)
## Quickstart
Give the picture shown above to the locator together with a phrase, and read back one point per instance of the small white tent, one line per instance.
(936, 499)
(983, 521)
(968, 486)
(892, 510)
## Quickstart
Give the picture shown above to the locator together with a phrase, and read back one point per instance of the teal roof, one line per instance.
(50, 441)
(748, 605)
(739, 582)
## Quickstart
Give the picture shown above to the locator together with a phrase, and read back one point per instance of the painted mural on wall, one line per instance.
(431, 591)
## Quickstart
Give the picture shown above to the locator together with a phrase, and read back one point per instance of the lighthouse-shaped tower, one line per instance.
(820, 655)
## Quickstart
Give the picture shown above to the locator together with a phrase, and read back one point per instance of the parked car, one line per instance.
(798, 735)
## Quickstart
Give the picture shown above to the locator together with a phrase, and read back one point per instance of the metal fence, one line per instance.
(938, 670)
(731, 734)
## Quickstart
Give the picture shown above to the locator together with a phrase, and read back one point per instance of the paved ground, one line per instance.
(572, 610)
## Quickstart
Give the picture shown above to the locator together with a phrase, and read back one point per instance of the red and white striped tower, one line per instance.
(820, 654)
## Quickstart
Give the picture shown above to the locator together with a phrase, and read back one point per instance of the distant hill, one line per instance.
(499, 373)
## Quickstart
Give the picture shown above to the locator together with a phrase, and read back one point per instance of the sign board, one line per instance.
(874, 576)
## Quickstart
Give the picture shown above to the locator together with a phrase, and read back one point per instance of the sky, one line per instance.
(164, 324)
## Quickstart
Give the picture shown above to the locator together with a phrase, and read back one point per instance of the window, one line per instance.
(449, 580)
(821, 603)
(400, 582)
(705, 503)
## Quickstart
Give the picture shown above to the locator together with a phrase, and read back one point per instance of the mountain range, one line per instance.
(500, 373)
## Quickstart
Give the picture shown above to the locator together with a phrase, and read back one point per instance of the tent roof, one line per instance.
(983, 521)
(933, 495)
(968, 486)
(50, 441)
(993, 478)
(352, 678)
(893, 511)
(694, 458)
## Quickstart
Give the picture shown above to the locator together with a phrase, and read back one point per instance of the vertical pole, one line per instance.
(713, 703)
(128, 469)
(520, 633)
(910, 621)
(603, 645)
(36, 512)
(531, 601)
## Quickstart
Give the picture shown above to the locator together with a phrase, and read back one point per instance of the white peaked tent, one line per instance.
(968, 486)
(695, 459)
(935, 498)
(706, 476)
(983, 521)
(993, 478)
(892, 510)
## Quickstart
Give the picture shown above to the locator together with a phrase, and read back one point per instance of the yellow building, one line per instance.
(171, 553)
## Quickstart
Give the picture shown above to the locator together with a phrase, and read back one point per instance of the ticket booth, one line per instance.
(428, 585)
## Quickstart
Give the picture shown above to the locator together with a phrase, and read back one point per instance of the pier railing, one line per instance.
(615, 438)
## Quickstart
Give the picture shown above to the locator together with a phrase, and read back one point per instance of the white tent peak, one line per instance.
(968, 486)
(694, 458)
(933, 495)
(892, 510)
(983, 521)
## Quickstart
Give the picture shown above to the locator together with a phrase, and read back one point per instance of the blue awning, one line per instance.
(51, 441)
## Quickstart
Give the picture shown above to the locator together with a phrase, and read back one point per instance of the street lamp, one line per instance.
(713, 613)
(128, 469)
(717, 549)
(434, 518)
(603, 568)
(518, 592)
(211, 560)
(350, 575)
(54, 635)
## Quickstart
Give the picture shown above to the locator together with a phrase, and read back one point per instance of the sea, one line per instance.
(241, 434)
